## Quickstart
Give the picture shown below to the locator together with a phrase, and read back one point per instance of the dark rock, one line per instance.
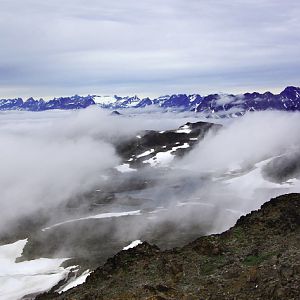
(258, 258)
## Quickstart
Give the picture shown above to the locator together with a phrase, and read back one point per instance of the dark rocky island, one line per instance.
(258, 258)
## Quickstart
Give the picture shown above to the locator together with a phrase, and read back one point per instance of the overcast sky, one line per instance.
(149, 47)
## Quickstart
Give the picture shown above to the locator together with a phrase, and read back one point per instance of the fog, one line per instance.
(236, 157)
(48, 158)
(45, 161)
(224, 175)
(245, 141)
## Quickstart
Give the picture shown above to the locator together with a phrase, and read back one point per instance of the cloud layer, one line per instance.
(246, 141)
(49, 157)
(147, 47)
(44, 162)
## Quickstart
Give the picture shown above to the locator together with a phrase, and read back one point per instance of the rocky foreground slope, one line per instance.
(258, 258)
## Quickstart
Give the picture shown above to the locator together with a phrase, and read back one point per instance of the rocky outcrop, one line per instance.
(258, 258)
(179, 141)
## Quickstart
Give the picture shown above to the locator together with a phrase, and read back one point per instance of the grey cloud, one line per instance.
(117, 47)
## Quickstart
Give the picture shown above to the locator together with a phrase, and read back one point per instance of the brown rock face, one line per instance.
(258, 258)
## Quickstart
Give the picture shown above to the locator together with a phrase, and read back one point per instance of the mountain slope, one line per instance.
(258, 258)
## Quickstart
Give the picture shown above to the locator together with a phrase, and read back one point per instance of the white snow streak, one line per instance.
(77, 281)
(145, 153)
(99, 216)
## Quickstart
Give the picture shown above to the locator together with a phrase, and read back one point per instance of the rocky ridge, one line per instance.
(258, 258)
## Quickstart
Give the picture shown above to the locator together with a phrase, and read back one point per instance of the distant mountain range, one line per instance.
(214, 104)
(74, 102)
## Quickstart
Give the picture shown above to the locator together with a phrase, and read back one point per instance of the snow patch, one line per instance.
(184, 146)
(133, 244)
(27, 277)
(104, 100)
(184, 129)
(164, 158)
(124, 168)
(161, 158)
(253, 180)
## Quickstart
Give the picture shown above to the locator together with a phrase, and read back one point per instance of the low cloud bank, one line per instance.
(49, 157)
(45, 161)
(246, 140)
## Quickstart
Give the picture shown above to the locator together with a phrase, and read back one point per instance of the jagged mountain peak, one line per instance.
(213, 105)
(291, 92)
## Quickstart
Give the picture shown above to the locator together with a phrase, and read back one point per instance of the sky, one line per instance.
(149, 48)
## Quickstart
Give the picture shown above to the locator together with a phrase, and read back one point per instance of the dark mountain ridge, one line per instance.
(258, 258)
